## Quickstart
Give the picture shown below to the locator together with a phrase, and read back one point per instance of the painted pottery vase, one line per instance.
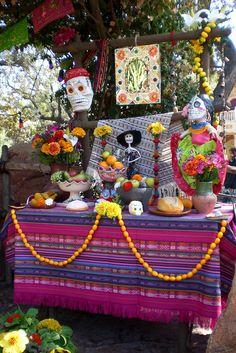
(204, 200)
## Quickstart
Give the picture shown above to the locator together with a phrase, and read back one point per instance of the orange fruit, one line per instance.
(186, 202)
(111, 160)
(118, 165)
(137, 177)
(104, 164)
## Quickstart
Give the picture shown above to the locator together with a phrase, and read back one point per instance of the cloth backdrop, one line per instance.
(146, 147)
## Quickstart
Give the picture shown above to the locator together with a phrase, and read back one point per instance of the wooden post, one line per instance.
(205, 64)
(5, 180)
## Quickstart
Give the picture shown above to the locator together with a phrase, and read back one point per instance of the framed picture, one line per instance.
(138, 78)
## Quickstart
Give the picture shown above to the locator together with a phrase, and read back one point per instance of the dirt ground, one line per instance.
(106, 334)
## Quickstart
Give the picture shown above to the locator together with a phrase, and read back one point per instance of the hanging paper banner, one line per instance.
(50, 10)
(14, 35)
(138, 77)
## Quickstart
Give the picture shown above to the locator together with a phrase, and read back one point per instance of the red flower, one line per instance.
(36, 338)
(152, 51)
(122, 98)
(11, 318)
(58, 134)
(154, 96)
(121, 54)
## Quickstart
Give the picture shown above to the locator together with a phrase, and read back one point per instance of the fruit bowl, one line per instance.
(110, 174)
(135, 194)
(75, 188)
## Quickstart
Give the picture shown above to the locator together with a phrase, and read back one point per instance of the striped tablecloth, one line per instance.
(107, 278)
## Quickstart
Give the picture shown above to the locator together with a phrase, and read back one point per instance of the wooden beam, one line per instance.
(78, 45)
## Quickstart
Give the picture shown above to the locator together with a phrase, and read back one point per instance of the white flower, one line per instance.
(195, 21)
(14, 341)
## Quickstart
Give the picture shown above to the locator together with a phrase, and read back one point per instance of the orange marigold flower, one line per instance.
(68, 147)
(54, 148)
(78, 131)
(45, 148)
(190, 168)
(36, 141)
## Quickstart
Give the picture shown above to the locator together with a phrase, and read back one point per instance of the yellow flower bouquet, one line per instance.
(23, 333)
(58, 145)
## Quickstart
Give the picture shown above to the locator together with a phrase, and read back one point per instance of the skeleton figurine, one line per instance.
(79, 89)
(136, 208)
(129, 139)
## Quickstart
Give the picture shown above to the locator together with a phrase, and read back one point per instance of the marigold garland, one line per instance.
(206, 257)
(198, 49)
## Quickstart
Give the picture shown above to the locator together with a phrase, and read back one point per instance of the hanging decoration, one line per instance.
(63, 36)
(155, 129)
(205, 20)
(138, 78)
(21, 122)
(49, 11)
(101, 65)
(15, 35)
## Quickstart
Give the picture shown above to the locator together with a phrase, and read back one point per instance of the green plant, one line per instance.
(24, 332)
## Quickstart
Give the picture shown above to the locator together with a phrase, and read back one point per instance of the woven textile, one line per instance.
(107, 278)
(146, 147)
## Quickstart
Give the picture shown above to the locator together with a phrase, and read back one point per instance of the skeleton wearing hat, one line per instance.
(129, 139)
(79, 89)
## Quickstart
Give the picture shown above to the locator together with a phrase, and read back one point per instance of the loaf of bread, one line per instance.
(77, 206)
(170, 204)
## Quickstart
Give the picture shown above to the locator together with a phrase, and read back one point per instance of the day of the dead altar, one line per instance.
(107, 278)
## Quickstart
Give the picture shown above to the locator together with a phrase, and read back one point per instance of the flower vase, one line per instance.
(204, 199)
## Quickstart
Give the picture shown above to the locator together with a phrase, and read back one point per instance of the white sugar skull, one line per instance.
(196, 109)
(136, 208)
(79, 89)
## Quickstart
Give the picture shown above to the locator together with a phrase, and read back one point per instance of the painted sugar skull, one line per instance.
(198, 108)
(79, 89)
(136, 208)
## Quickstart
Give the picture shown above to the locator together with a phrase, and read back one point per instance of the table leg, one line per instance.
(184, 338)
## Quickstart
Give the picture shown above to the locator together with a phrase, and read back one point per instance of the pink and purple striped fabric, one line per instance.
(108, 279)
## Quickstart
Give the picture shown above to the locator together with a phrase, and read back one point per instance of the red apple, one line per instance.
(127, 185)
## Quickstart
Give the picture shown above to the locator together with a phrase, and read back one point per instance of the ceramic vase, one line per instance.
(204, 200)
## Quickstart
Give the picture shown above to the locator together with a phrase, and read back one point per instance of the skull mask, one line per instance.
(196, 109)
(136, 208)
(79, 89)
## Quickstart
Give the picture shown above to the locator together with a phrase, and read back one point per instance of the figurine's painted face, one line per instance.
(196, 109)
(80, 93)
(129, 138)
(136, 208)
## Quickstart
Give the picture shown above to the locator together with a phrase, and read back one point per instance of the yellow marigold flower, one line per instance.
(51, 324)
(155, 128)
(45, 148)
(14, 341)
(109, 209)
(68, 147)
(102, 131)
(78, 131)
(54, 148)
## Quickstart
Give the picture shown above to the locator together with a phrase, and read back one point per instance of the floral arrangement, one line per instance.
(155, 129)
(23, 332)
(204, 168)
(109, 209)
(58, 145)
(102, 132)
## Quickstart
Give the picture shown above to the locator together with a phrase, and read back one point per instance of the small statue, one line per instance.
(79, 89)
(136, 208)
(200, 138)
(129, 139)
